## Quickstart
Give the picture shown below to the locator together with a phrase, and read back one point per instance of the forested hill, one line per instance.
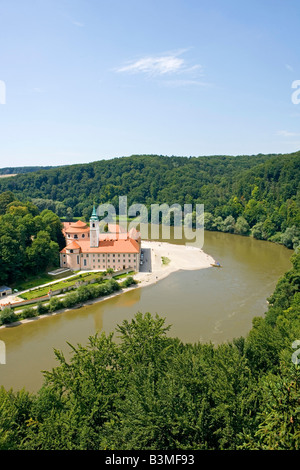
(260, 189)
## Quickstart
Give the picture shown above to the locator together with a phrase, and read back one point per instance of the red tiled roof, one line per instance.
(75, 227)
(72, 229)
(79, 223)
(72, 246)
(107, 246)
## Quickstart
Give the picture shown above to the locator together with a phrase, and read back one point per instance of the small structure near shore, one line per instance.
(4, 291)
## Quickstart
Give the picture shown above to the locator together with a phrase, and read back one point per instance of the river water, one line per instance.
(214, 304)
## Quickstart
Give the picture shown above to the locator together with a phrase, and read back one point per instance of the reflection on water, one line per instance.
(215, 304)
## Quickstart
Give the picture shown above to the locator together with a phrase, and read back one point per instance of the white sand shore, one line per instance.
(181, 257)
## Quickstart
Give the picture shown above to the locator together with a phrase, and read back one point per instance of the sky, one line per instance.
(85, 80)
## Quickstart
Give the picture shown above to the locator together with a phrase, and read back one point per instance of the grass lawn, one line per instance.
(43, 290)
(33, 281)
(121, 276)
(63, 284)
(38, 280)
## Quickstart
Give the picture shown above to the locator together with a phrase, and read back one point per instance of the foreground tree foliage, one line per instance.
(147, 390)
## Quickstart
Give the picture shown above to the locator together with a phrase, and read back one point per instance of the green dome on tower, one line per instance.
(94, 214)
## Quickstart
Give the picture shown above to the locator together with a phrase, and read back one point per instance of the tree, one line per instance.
(43, 252)
(257, 231)
(5, 199)
(208, 221)
(291, 237)
(7, 315)
(229, 224)
(11, 257)
(241, 226)
(279, 418)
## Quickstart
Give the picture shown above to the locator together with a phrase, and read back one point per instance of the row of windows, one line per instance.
(103, 255)
(108, 255)
(103, 266)
(76, 236)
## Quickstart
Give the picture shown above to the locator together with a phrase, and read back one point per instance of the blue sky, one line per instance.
(84, 80)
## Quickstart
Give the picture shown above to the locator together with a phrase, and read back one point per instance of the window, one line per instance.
(77, 259)
(83, 235)
(75, 236)
(84, 262)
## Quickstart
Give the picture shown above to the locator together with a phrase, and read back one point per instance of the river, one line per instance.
(215, 304)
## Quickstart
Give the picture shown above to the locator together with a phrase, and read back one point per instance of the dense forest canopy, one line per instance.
(257, 194)
(30, 239)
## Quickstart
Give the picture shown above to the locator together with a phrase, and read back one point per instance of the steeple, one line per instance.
(94, 229)
(94, 214)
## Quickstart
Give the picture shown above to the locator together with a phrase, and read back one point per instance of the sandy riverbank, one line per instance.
(181, 257)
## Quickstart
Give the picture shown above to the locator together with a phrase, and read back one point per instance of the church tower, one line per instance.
(94, 230)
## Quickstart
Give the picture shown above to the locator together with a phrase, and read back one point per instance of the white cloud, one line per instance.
(154, 65)
(288, 134)
(77, 23)
(159, 65)
(180, 83)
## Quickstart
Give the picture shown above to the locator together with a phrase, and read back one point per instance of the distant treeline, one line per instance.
(22, 169)
(254, 195)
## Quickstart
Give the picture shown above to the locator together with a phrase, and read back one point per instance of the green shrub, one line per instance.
(28, 312)
(83, 293)
(128, 282)
(8, 316)
(55, 304)
(42, 308)
(113, 285)
(71, 299)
